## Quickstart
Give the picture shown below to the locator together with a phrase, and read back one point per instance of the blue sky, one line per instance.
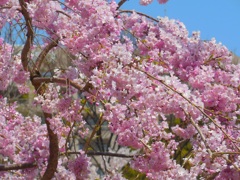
(213, 18)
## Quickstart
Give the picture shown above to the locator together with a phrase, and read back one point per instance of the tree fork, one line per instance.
(53, 139)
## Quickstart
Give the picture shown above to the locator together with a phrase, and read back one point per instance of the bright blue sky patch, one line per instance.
(213, 18)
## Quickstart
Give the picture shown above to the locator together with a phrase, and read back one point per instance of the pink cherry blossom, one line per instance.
(125, 90)
(80, 166)
(145, 2)
(162, 1)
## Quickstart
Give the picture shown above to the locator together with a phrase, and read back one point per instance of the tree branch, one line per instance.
(5, 7)
(97, 126)
(139, 13)
(220, 153)
(121, 3)
(28, 43)
(53, 150)
(192, 103)
(39, 80)
(6, 167)
(201, 135)
(92, 153)
(43, 54)
(61, 12)
(53, 138)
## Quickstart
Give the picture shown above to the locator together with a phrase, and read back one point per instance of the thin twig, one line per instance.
(98, 124)
(190, 102)
(72, 129)
(121, 3)
(7, 167)
(40, 80)
(229, 161)
(64, 14)
(92, 153)
(221, 153)
(202, 136)
(43, 54)
(139, 13)
(5, 7)
(109, 154)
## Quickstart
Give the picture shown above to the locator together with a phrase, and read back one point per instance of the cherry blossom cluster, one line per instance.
(80, 166)
(22, 140)
(156, 86)
(11, 69)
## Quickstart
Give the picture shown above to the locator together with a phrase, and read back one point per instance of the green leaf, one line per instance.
(132, 174)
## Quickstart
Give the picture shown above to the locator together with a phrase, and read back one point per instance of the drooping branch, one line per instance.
(53, 159)
(53, 139)
(37, 81)
(30, 35)
(70, 131)
(97, 126)
(61, 12)
(121, 3)
(53, 151)
(193, 104)
(44, 52)
(232, 163)
(201, 135)
(139, 13)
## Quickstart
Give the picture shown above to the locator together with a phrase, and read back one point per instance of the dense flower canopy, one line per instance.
(158, 88)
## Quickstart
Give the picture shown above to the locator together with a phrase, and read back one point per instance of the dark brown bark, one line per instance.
(5, 167)
(28, 43)
(53, 138)
(121, 3)
(46, 80)
(54, 149)
(40, 89)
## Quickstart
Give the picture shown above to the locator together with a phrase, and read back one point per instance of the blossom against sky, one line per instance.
(219, 19)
